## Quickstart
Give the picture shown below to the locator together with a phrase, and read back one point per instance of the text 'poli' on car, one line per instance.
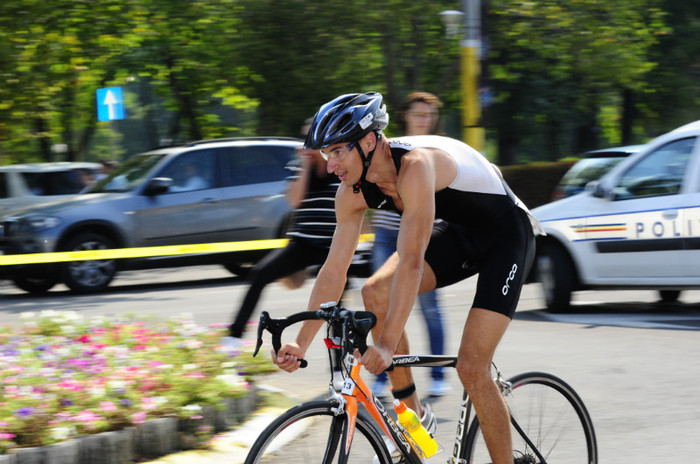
(226, 190)
(637, 227)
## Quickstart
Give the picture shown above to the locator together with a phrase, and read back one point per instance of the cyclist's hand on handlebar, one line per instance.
(288, 357)
(377, 358)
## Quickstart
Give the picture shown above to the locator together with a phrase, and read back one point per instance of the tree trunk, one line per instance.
(628, 116)
(44, 141)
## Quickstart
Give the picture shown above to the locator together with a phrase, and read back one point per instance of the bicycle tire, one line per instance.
(553, 417)
(298, 435)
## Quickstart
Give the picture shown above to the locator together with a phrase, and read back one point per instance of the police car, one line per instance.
(637, 227)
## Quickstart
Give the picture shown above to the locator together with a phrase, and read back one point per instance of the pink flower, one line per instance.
(196, 375)
(70, 384)
(138, 417)
(107, 406)
(86, 416)
(7, 436)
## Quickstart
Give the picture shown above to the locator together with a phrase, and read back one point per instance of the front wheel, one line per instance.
(556, 272)
(88, 276)
(549, 423)
(311, 433)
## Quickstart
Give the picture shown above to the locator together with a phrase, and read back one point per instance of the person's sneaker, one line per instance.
(438, 387)
(428, 419)
(232, 343)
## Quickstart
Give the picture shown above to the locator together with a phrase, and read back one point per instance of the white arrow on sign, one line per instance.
(109, 102)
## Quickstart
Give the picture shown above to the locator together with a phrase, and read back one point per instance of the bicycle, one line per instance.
(550, 423)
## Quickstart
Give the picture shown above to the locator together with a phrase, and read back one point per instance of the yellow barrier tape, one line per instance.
(144, 252)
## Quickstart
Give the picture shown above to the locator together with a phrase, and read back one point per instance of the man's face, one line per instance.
(343, 161)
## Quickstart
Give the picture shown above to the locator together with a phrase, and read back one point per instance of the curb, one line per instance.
(232, 447)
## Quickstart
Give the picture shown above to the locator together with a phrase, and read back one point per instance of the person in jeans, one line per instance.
(419, 114)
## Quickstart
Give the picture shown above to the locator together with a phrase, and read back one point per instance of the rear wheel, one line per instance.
(312, 433)
(549, 424)
(88, 276)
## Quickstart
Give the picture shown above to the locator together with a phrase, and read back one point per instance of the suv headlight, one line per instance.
(37, 223)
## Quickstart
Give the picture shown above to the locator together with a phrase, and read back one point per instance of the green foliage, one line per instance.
(553, 64)
(565, 75)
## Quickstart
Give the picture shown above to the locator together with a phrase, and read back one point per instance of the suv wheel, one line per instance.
(556, 273)
(36, 285)
(88, 276)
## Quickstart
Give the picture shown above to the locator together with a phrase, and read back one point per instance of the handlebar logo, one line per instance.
(511, 277)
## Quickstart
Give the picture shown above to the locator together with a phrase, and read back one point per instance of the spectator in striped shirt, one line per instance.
(311, 191)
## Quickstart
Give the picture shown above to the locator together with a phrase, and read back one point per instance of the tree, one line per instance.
(554, 64)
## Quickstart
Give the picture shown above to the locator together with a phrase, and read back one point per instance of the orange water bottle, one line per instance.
(410, 421)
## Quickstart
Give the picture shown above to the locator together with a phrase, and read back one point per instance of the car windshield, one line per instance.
(128, 175)
(587, 170)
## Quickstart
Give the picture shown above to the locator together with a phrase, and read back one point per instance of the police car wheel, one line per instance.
(556, 273)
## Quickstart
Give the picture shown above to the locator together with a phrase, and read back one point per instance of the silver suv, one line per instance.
(23, 185)
(204, 192)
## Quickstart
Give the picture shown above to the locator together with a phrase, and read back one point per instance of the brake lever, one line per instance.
(262, 325)
(275, 327)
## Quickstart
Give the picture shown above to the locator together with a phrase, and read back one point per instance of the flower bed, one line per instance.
(64, 376)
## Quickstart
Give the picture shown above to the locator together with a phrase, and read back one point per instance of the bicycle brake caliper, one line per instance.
(340, 409)
(503, 385)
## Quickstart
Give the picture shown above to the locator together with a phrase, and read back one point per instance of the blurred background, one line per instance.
(554, 78)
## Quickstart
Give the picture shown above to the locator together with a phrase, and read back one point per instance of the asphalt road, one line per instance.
(632, 360)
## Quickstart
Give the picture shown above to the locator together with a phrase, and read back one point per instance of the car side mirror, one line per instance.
(598, 189)
(158, 185)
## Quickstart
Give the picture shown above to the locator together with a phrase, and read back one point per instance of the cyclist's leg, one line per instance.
(503, 268)
(376, 294)
(482, 333)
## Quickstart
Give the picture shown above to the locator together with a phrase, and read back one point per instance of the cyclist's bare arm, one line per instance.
(330, 281)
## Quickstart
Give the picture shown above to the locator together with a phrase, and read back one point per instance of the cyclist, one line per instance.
(485, 230)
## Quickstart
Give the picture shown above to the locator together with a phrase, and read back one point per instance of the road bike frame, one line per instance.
(352, 329)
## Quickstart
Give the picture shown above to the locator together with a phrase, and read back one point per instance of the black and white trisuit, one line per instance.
(485, 228)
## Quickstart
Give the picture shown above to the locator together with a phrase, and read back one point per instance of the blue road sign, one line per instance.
(110, 104)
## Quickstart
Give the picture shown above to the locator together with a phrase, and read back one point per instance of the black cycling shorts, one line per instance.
(502, 259)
